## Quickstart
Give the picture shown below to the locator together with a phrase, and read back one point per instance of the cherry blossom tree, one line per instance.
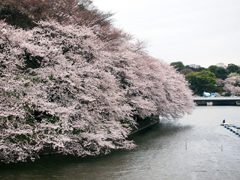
(73, 88)
(232, 85)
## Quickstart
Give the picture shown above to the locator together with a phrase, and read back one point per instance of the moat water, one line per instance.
(195, 147)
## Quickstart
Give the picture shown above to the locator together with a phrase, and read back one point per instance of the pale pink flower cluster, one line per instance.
(232, 85)
(65, 90)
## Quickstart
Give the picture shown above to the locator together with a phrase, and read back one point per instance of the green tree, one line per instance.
(202, 81)
(186, 71)
(232, 68)
(179, 66)
(219, 72)
(212, 68)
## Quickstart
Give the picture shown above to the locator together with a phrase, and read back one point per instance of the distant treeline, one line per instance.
(225, 80)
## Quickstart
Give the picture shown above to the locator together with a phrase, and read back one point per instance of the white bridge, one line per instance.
(217, 101)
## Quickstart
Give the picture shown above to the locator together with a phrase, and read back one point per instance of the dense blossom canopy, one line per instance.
(65, 89)
(232, 85)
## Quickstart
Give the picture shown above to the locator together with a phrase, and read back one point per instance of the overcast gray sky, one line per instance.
(200, 32)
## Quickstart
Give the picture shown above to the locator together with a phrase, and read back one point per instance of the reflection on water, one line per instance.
(195, 147)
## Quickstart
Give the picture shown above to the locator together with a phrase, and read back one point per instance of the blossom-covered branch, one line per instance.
(65, 89)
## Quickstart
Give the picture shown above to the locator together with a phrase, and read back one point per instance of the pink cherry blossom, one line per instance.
(76, 89)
